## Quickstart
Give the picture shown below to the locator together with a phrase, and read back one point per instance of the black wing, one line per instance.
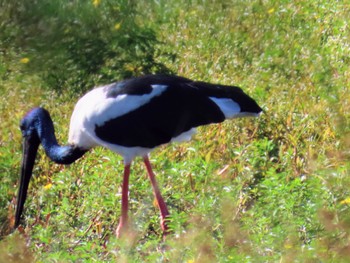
(183, 105)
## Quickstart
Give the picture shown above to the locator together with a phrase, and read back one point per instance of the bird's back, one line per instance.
(152, 110)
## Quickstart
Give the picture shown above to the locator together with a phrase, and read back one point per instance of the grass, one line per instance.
(273, 189)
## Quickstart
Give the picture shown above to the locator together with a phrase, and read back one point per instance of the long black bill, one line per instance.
(30, 148)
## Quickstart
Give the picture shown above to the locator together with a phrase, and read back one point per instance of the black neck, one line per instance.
(46, 133)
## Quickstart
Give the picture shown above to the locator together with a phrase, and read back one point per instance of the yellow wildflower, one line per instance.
(24, 60)
(346, 201)
(48, 186)
(271, 10)
(288, 245)
(117, 26)
(96, 3)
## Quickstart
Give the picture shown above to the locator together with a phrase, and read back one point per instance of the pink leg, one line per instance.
(164, 213)
(123, 223)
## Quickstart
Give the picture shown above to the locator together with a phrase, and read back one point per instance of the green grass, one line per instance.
(272, 189)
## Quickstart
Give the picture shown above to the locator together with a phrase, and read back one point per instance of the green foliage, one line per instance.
(272, 189)
(78, 44)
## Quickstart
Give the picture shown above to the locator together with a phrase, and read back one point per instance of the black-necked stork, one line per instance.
(131, 118)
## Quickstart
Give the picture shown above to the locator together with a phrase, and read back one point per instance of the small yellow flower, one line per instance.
(117, 26)
(271, 10)
(346, 201)
(24, 60)
(288, 245)
(96, 3)
(48, 186)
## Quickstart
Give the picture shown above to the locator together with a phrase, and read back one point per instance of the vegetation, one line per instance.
(98, 41)
(272, 189)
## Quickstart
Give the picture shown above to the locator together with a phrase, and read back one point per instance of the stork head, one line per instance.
(29, 122)
(34, 122)
(37, 128)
